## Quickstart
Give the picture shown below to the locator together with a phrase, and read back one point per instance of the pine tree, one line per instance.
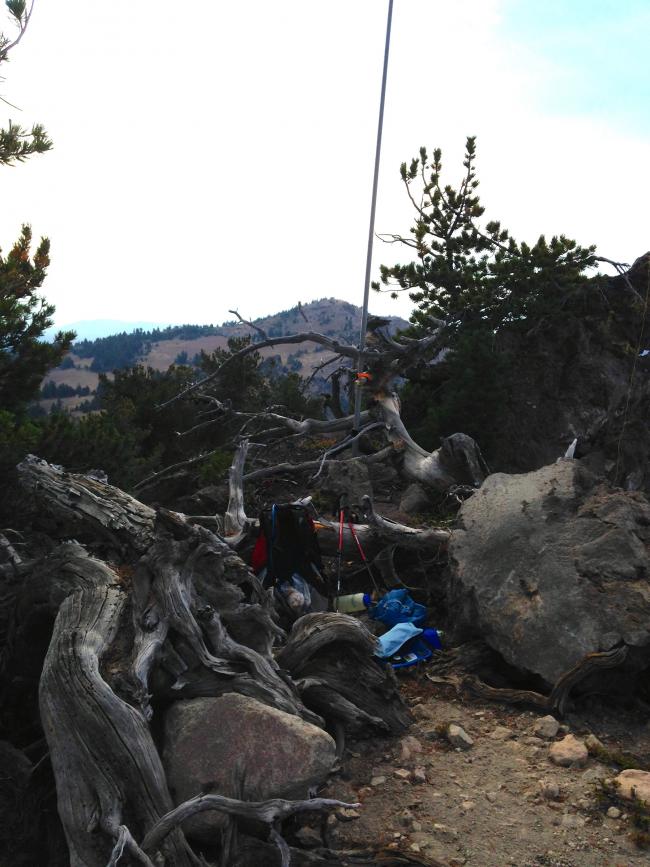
(473, 276)
(17, 143)
(24, 316)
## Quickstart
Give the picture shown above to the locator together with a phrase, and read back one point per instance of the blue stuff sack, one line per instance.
(398, 607)
(390, 642)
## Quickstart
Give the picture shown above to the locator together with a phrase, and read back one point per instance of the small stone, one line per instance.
(410, 747)
(547, 727)
(569, 752)
(445, 833)
(347, 814)
(414, 847)
(491, 797)
(419, 775)
(458, 737)
(593, 775)
(363, 792)
(468, 805)
(416, 826)
(402, 774)
(634, 785)
(593, 744)
(614, 813)
(549, 789)
(500, 733)
(377, 781)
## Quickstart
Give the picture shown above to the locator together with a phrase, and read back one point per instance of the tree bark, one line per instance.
(180, 615)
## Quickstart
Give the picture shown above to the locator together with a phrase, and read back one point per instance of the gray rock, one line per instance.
(551, 565)
(547, 727)
(215, 744)
(458, 737)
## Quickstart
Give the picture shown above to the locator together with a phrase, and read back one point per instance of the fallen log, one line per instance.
(106, 766)
(179, 614)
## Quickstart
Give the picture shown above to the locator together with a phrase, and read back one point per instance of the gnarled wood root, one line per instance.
(559, 695)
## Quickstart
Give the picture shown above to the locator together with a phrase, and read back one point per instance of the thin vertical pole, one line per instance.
(371, 231)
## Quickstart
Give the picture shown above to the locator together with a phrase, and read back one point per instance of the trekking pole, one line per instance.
(340, 557)
(363, 554)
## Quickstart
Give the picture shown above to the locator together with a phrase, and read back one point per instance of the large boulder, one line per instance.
(236, 746)
(552, 565)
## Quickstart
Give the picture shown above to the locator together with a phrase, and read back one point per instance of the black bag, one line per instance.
(291, 545)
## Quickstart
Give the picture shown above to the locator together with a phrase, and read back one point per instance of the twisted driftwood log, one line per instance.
(179, 615)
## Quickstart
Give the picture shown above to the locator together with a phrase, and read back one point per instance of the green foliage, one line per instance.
(24, 316)
(17, 143)
(245, 385)
(124, 349)
(17, 439)
(131, 399)
(98, 440)
(214, 469)
(478, 277)
(288, 391)
(472, 390)
(491, 291)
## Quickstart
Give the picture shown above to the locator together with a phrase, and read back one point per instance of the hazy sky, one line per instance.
(217, 154)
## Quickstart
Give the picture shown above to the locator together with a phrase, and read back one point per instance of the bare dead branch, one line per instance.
(400, 534)
(291, 469)
(404, 352)
(267, 812)
(21, 32)
(250, 324)
(235, 519)
(156, 477)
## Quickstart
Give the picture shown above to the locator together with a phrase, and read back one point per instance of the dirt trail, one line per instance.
(500, 803)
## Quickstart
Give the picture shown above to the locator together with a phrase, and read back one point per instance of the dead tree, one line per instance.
(457, 462)
(176, 614)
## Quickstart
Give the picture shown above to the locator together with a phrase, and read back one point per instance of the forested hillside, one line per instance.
(73, 385)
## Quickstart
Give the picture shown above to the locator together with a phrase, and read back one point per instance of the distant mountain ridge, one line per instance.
(91, 329)
(77, 377)
(329, 316)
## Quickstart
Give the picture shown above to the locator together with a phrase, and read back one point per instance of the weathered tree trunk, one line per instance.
(179, 615)
(107, 770)
(457, 461)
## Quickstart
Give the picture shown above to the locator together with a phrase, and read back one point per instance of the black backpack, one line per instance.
(288, 533)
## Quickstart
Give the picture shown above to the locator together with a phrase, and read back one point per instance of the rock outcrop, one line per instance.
(552, 565)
